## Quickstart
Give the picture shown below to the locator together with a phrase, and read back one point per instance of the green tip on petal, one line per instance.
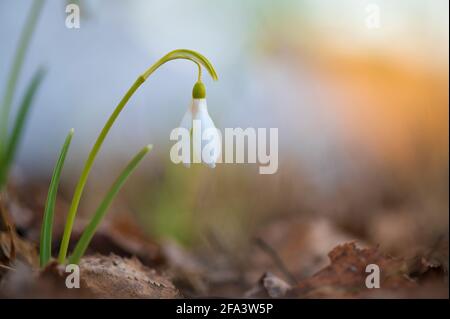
(199, 91)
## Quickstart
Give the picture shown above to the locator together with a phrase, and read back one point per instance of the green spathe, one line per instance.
(199, 90)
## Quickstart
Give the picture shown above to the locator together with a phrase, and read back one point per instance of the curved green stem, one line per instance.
(176, 54)
(183, 54)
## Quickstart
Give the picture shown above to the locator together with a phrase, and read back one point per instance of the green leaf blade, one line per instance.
(90, 229)
(49, 213)
(19, 124)
(19, 57)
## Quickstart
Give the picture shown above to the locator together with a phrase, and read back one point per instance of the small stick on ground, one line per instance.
(7, 267)
(7, 226)
(276, 259)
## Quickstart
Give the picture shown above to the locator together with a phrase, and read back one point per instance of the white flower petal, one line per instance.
(211, 143)
(186, 123)
(210, 147)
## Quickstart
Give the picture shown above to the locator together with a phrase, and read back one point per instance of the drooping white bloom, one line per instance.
(205, 138)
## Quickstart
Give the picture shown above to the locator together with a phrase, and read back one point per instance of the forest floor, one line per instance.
(289, 257)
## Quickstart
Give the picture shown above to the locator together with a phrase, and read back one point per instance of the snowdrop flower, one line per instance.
(200, 113)
(205, 138)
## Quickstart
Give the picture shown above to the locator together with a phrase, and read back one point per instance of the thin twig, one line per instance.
(276, 259)
(7, 267)
(8, 227)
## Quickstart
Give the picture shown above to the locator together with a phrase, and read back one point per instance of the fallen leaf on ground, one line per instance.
(116, 277)
(346, 275)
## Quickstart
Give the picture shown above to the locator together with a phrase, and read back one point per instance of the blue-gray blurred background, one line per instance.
(362, 113)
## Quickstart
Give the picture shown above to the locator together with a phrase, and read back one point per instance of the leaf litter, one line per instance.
(287, 258)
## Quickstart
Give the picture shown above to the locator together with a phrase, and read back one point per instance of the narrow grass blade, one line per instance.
(19, 57)
(90, 229)
(47, 223)
(18, 128)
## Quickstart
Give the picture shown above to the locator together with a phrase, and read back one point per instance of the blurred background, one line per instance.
(362, 114)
